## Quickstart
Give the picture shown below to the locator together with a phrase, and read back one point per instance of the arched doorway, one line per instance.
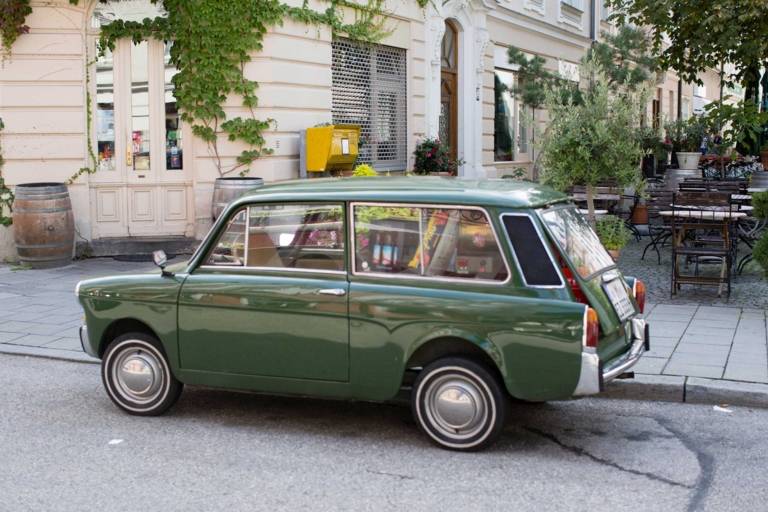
(449, 86)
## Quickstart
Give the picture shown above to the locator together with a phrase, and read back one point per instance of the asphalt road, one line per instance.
(64, 446)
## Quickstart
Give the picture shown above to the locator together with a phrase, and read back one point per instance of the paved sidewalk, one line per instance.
(696, 350)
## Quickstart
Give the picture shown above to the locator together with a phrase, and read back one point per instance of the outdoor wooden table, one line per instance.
(598, 213)
(579, 196)
(704, 214)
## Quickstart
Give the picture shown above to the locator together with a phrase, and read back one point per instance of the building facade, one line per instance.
(437, 74)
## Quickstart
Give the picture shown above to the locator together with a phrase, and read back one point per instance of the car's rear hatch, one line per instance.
(591, 271)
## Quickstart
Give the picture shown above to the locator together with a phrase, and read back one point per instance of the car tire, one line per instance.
(459, 403)
(137, 376)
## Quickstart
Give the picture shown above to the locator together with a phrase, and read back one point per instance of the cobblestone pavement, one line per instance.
(40, 316)
(748, 290)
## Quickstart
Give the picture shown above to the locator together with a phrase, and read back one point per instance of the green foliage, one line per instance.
(432, 156)
(364, 170)
(760, 205)
(533, 79)
(626, 57)
(212, 43)
(686, 135)
(694, 35)
(612, 232)
(13, 13)
(739, 124)
(6, 195)
(651, 142)
(595, 140)
(760, 252)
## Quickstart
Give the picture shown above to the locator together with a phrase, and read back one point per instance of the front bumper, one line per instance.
(85, 342)
(594, 374)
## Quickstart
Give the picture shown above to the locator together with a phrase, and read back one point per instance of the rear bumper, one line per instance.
(594, 373)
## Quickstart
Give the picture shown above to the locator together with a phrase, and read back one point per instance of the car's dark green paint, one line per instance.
(269, 331)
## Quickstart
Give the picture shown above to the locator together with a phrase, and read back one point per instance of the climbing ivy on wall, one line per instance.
(6, 195)
(13, 13)
(212, 43)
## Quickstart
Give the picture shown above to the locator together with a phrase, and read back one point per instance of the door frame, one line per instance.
(167, 196)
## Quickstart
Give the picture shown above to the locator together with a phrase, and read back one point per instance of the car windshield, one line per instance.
(577, 240)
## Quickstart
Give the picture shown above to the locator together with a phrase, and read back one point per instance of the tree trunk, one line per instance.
(591, 206)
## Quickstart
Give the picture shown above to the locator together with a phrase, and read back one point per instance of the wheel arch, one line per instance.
(456, 344)
(122, 326)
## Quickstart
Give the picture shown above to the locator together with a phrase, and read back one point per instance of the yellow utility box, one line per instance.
(331, 148)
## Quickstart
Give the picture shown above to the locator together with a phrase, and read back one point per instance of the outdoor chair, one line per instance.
(701, 233)
(657, 229)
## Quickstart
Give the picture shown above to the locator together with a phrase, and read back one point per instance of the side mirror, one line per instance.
(160, 258)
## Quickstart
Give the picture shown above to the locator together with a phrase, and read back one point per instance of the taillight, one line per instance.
(638, 290)
(573, 284)
(591, 328)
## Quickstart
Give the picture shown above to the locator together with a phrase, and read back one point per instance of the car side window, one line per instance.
(283, 236)
(428, 242)
(530, 251)
(229, 250)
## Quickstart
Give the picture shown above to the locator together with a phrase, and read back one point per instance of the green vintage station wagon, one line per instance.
(465, 293)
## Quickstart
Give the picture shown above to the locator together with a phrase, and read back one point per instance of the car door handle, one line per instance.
(337, 292)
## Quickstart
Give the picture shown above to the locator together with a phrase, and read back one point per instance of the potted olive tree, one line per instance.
(592, 137)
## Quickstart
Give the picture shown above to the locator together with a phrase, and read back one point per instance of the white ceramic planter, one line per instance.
(688, 161)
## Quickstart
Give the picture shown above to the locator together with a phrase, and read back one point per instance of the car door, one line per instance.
(271, 297)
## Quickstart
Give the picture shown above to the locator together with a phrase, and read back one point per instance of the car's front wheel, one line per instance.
(137, 376)
(459, 404)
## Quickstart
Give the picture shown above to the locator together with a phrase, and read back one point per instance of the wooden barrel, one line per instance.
(226, 190)
(43, 225)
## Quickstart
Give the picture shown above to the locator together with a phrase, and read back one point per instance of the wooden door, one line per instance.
(142, 185)
(449, 99)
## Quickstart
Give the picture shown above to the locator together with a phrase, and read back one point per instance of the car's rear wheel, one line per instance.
(137, 376)
(459, 404)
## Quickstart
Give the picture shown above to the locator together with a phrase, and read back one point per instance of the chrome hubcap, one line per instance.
(456, 406)
(138, 375)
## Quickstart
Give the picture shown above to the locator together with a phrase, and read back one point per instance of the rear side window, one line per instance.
(456, 243)
(534, 260)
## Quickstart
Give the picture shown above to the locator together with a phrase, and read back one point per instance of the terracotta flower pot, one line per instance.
(615, 253)
(640, 214)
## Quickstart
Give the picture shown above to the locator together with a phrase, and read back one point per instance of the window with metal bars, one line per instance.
(369, 90)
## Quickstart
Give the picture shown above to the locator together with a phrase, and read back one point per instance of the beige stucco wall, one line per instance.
(42, 102)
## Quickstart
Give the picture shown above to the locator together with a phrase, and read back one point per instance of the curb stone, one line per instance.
(662, 388)
(47, 353)
(694, 390)
(710, 391)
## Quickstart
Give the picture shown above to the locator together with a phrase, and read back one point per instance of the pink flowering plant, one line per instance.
(432, 156)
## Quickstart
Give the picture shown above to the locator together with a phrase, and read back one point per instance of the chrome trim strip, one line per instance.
(247, 233)
(546, 248)
(271, 269)
(484, 282)
(77, 288)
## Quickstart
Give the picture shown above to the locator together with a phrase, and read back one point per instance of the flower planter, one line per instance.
(226, 190)
(640, 214)
(615, 253)
(688, 161)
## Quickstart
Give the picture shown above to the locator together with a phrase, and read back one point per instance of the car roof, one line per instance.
(506, 193)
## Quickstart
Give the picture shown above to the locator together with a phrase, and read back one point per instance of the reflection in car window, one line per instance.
(577, 240)
(297, 236)
(437, 242)
(230, 249)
